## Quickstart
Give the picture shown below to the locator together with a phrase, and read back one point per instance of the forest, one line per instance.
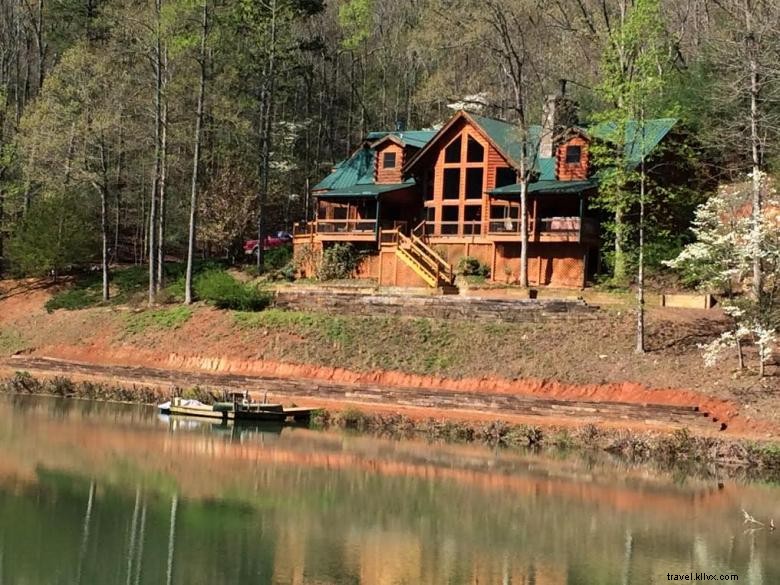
(132, 131)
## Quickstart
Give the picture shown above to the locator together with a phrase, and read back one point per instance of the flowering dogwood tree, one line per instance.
(729, 240)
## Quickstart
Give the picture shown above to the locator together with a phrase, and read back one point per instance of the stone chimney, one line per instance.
(559, 114)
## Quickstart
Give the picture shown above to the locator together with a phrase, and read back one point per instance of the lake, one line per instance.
(104, 494)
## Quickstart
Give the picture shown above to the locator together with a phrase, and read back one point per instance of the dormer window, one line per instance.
(573, 155)
(388, 160)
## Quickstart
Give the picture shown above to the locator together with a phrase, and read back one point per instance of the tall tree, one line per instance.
(192, 228)
(636, 65)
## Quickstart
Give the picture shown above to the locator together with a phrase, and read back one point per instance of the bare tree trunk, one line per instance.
(162, 187)
(640, 279)
(523, 227)
(157, 157)
(118, 190)
(196, 155)
(266, 136)
(755, 142)
(103, 189)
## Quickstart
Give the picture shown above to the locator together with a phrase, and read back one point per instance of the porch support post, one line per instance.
(376, 225)
(582, 213)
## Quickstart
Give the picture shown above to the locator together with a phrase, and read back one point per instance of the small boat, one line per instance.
(238, 408)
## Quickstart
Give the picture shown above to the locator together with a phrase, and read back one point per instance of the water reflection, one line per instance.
(97, 493)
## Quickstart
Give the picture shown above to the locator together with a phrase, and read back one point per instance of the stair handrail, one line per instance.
(430, 251)
(420, 227)
(419, 253)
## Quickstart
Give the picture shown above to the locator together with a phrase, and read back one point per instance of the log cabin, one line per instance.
(417, 202)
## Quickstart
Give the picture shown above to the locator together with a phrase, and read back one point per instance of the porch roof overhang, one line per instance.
(369, 190)
(550, 187)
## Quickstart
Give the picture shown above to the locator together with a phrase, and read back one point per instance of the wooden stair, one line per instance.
(435, 271)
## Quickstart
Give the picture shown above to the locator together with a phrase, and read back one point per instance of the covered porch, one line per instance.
(556, 212)
(359, 213)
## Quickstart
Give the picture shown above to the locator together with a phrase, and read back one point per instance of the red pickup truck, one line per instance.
(277, 240)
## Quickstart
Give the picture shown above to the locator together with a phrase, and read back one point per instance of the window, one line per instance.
(474, 151)
(451, 184)
(452, 154)
(449, 220)
(504, 218)
(430, 214)
(505, 176)
(474, 183)
(388, 160)
(429, 185)
(472, 220)
(573, 155)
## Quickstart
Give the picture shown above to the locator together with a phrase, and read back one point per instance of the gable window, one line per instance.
(573, 155)
(474, 151)
(452, 153)
(505, 176)
(388, 160)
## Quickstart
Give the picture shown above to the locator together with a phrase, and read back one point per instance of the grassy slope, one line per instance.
(587, 352)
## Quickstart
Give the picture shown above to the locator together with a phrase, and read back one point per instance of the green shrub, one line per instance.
(160, 319)
(73, 299)
(470, 266)
(278, 258)
(225, 292)
(338, 261)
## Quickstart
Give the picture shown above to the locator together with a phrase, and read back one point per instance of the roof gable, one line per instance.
(638, 140)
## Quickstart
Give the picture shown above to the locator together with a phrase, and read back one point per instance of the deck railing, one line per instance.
(556, 225)
(504, 226)
(335, 226)
(546, 225)
(452, 228)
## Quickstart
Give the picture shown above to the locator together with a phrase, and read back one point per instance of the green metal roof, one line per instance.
(356, 170)
(547, 186)
(509, 139)
(637, 139)
(546, 169)
(373, 190)
(414, 138)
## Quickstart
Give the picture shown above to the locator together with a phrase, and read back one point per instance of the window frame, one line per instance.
(573, 148)
(391, 155)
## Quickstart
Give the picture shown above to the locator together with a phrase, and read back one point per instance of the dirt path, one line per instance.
(415, 402)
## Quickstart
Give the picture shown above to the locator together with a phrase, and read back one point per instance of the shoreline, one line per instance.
(735, 456)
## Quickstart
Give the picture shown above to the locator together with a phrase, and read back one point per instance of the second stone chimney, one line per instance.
(559, 113)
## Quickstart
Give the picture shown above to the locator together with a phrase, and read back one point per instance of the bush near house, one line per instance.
(470, 266)
(338, 261)
(225, 292)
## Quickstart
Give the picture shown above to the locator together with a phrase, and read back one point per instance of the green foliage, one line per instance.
(278, 258)
(223, 291)
(470, 266)
(166, 319)
(338, 261)
(73, 299)
(356, 19)
(636, 67)
(57, 234)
